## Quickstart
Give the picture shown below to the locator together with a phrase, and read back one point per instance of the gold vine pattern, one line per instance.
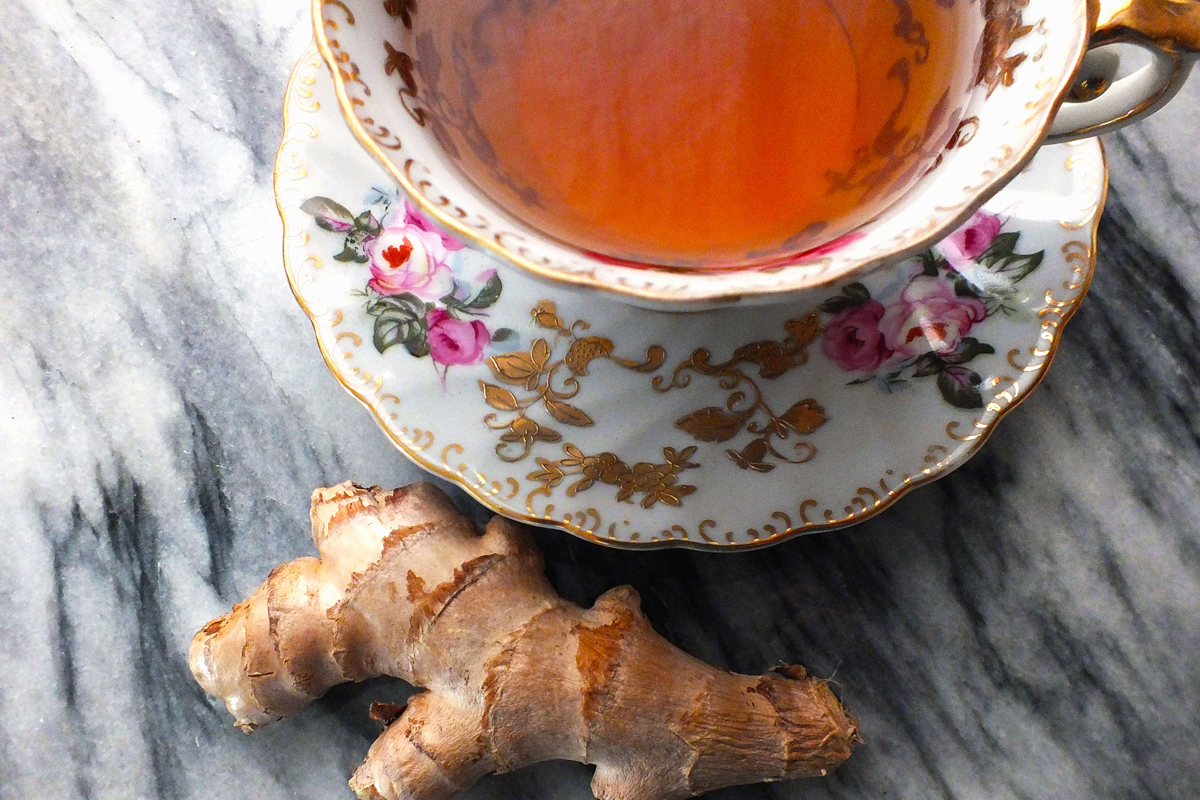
(745, 408)
(896, 151)
(303, 266)
(654, 482)
(549, 384)
(1001, 30)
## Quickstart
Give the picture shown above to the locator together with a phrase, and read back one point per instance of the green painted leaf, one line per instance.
(959, 387)
(488, 295)
(330, 215)
(407, 303)
(963, 287)
(928, 364)
(503, 335)
(836, 304)
(400, 326)
(967, 350)
(1001, 247)
(418, 346)
(365, 221)
(857, 292)
(451, 300)
(1019, 267)
(931, 264)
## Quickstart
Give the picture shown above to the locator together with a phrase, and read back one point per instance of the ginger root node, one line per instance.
(405, 586)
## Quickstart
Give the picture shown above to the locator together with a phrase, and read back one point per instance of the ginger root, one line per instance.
(515, 674)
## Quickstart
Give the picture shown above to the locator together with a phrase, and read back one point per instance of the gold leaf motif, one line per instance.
(581, 485)
(805, 417)
(540, 353)
(1002, 29)
(753, 456)
(656, 483)
(553, 381)
(523, 429)
(671, 497)
(770, 357)
(567, 413)
(401, 8)
(805, 329)
(711, 424)
(501, 399)
(517, 369)
(545, 314)
(655, 356)
(746, 409)
(550, 474)
(680, 458)
(583, 351)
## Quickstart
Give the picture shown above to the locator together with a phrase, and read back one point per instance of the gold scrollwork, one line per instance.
(547, 379)
(1004, 26)
(1055, 311)
(589, 523)
(654, 482)
(548, 383)
(745, 408)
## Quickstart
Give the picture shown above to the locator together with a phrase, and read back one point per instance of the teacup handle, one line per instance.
(1107, 94)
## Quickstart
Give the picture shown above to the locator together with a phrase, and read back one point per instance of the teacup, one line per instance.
(1049, 70)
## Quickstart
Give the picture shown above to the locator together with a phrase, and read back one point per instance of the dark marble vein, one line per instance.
(1024, 629)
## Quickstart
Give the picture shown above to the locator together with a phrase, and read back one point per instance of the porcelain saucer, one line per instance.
(635, 428)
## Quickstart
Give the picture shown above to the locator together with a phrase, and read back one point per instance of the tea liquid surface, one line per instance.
(681, 133)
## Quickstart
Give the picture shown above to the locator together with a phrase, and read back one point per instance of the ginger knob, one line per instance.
(514, 674)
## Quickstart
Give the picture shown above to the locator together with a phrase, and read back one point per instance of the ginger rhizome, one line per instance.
(515, 674)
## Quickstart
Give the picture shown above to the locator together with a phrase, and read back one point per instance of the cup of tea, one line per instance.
(685, 155)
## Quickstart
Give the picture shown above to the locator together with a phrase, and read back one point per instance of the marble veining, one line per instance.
(1025, 628)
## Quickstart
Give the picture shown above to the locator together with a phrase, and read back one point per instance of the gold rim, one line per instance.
(718, 296)
(939, 470)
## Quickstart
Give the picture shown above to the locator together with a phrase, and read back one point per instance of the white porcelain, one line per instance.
(635, 448)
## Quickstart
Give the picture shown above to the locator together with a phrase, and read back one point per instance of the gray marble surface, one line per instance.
(1026, 628)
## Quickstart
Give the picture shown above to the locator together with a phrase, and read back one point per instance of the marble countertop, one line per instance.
(1026, 628)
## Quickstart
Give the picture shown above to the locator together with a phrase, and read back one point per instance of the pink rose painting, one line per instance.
(413, 293)
(409, 255)
(929, 317)
(929, 326)
(853, 339)
(968, 243)
(455, 341)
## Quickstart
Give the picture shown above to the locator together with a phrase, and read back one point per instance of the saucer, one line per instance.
(714, 430)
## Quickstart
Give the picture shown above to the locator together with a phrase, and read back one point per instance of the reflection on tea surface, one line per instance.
(680, 133)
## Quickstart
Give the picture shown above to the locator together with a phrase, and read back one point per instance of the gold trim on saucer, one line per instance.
(659, 482)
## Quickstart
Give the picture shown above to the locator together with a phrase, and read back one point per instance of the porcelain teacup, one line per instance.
(1047, 71)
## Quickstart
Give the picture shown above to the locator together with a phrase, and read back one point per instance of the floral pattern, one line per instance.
(656, 483)
(547, 380)
(746, 408)
(928, 326)
(850, 481)
(413, 294)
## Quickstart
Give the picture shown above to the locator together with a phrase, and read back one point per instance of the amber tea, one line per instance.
(678, 133)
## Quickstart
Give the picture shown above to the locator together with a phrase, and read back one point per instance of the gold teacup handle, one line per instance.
(1108, 94)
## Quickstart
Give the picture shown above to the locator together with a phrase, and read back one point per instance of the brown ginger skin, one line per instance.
(514, 673)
